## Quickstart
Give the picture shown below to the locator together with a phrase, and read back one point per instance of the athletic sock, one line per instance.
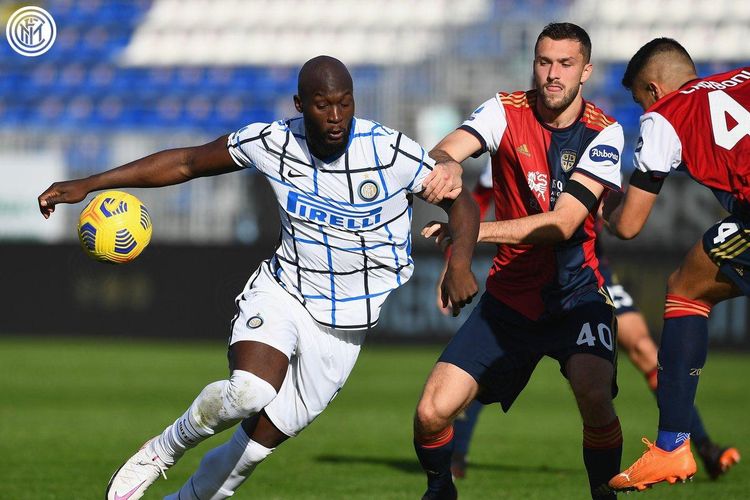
(224, 469)
(434, 453)
(176, 439)
(684, 346)
(698, 433)
(602, 451)
(463, 427)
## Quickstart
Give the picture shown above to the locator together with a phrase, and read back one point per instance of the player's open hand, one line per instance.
(439, 231)
(444, 182)
(61, 192)
(459, 287)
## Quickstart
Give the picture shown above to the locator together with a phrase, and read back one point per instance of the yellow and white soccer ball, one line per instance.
(114, 227)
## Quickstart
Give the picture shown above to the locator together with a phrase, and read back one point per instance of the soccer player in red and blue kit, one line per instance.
(553, 156)
(702, 126)
(634, 340)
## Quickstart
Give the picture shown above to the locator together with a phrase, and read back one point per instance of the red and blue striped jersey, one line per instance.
(531, 164)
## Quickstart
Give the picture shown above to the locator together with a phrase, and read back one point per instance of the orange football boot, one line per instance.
(655, 466)
(717, 460)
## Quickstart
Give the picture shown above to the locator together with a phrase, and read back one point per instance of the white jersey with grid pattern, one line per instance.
(345, 239)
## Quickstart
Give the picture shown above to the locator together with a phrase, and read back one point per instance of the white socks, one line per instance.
(219, 406)
(223, 469)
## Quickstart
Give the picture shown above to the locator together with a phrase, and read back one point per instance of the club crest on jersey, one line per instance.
(604, 152)
(317, 210)
(368, 190)
(567, 159)
(538, 183)
(255, 322)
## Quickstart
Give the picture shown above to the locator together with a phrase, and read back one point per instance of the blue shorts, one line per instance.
(727, 243)
(622, 300)
(500, 348)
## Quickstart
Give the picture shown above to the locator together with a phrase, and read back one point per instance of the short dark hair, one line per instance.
(567, 31)
(649, 51)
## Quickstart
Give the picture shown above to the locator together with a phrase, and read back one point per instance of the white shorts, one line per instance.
(320, 358)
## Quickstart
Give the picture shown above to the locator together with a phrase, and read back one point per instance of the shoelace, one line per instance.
(649, 445)
(155, 462)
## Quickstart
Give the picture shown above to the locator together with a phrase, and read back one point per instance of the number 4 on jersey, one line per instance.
(721, 104)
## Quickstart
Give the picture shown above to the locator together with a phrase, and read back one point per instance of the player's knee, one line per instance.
(429, 419)
(594, 400)
(245, 394)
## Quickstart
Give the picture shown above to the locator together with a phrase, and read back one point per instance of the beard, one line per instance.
(559, 103)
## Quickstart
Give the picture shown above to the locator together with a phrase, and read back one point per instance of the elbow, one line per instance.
(627, 233)
(567, 229)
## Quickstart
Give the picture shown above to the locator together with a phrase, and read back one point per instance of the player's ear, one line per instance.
(655, 91)
(298, 103)
(587, 69)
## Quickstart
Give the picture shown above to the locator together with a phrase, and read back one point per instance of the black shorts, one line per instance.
(622, 300)
(500, 348)
(727, 243)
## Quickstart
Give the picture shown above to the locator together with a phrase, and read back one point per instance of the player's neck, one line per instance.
(562, 118)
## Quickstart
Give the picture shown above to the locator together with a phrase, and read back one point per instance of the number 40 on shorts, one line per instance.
(587, 335)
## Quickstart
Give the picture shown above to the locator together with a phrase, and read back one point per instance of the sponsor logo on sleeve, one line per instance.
(604, 152)
(639, 145)
(476, 112)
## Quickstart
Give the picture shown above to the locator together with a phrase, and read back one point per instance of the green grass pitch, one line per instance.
(72, 410)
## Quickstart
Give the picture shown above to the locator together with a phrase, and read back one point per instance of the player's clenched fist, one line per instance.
(61, 192)
(459, 287)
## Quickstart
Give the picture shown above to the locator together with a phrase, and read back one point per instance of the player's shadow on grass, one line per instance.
(412, 466)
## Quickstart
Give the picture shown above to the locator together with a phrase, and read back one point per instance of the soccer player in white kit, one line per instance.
(344, 188)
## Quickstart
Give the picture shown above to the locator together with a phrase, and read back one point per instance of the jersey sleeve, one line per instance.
(659, 149)
(413, 164)
(248, 145)
(487, 123)
(601, 159)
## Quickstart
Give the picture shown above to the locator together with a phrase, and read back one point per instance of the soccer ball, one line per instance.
(114, 227)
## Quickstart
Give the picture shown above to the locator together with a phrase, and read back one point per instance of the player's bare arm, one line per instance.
(445, 180)
(165, 168)
(626, 217)
(459, 285)
(538, 229)
(548, 227)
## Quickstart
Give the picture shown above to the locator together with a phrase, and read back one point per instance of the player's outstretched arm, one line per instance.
(459, 285)
(165, 168)
(626, 217)
(546, 228)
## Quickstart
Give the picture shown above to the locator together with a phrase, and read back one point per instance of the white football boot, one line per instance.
(133, 478)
